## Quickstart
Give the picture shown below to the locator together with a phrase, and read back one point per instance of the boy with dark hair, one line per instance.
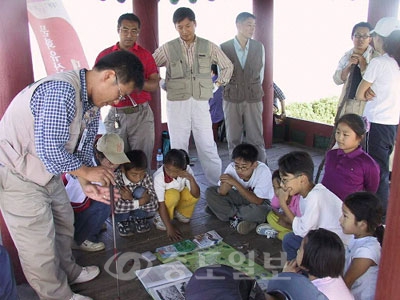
(138, 197)
(245, 190)
(320, 208)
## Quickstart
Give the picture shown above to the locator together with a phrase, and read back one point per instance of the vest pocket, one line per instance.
(206, 89)
(176, 90)
(176, 69)
(256, 91)
(204, 63)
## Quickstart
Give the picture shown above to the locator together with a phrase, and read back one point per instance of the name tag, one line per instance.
(82, 140)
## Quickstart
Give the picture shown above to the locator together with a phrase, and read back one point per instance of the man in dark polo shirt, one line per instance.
(133, 119)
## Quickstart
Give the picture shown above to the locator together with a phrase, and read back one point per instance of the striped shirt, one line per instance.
(53, 109)
(218, 57)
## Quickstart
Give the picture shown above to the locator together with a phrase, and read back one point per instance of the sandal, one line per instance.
(124, 228)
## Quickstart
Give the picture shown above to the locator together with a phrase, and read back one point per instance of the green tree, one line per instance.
(322, 110)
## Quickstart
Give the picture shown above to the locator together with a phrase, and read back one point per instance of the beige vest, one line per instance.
(245, 83)
(17, 141)
(182, 81)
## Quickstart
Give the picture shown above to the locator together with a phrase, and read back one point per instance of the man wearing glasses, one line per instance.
(132, 118)
(352, 65)
(48, 129)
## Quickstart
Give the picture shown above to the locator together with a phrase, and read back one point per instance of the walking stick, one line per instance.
(114, 237)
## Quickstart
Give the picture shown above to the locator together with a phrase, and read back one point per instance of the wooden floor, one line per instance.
(266, 252)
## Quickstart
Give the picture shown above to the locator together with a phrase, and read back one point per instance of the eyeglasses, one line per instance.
(121, 97)
(126, 31)
(364, 37)
(284, 181)
(241, 168)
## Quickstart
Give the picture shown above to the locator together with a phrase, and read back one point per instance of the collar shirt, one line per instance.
(225, 66)
(368, 54)
(242, 55)
(53, 109)
(149, 66)
(346, 173)
(163, 182)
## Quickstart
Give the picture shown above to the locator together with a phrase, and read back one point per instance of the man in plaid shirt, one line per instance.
(49, 128)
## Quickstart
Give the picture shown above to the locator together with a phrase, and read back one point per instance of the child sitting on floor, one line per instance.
(177, 192)
(319, 207)
(89, 214)
(362, 216)
(350, 169)
(278, 222)
(138, 197)
(245, 191)
(321, 255)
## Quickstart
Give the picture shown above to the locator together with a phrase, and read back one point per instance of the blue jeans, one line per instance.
(8, 289)
(88, 222)
(137, 213)
(379, 144)
(290, 244)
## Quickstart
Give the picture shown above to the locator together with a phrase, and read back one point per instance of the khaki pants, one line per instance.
(245, 117)
(40, 222)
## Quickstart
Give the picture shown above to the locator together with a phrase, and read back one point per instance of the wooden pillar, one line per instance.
(382, 8)
(264, 12)
(147, 11)
(387, 287)
(15, 55)
(16, 73)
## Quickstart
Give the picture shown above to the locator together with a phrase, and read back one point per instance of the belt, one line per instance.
(131, 109)
(128, 110)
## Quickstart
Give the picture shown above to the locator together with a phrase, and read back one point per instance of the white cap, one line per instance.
(386, 26)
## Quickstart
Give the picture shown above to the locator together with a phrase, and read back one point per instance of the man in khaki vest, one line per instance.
(188, 60)
(49, 128)
(243, 94)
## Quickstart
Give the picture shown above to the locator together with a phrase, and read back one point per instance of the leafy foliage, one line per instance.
(322, 110)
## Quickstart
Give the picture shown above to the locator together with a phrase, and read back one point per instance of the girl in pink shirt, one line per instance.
(321, 256)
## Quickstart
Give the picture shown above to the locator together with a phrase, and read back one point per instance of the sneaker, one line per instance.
(80, 297)
(267, 230)
(124, 228)
(244, 227)
(158, 222)
(91, 246)
(181, 218)
(87, 274)
(141, 224)
(234, 221)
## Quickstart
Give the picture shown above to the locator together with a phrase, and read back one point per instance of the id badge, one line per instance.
(82, 140)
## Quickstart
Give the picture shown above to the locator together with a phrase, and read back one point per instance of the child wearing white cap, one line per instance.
(380, 88)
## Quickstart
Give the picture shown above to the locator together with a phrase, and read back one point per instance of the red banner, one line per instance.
(58, 41)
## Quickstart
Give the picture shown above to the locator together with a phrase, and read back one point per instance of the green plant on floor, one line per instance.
(322, 110)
